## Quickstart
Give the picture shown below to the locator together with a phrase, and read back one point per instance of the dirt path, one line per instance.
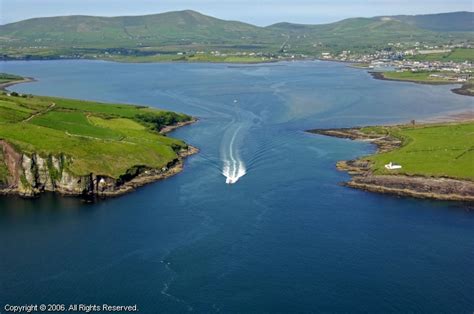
(40, 113)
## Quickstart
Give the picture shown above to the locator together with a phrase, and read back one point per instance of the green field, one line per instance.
(99, 138)
(419, 77)
(457, 55)
(442, 150)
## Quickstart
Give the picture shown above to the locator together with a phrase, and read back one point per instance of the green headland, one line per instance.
(434, 150)
(45, 140)
(436, 160)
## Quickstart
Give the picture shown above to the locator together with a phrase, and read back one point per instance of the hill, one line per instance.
(442, 22)
(367, 34)
(171, 28)
(81, 147)
(162, 36)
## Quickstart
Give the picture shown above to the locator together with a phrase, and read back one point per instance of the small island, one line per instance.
(424, 161)
(84, 148)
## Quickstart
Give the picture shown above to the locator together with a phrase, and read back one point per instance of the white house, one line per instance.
(392, 166)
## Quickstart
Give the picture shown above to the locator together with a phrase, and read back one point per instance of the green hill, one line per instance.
(367, 34)
(168, 33)
(442, 22)
(83, 147)
(180, 28)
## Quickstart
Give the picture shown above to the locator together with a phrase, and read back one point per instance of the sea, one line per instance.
(258, 221)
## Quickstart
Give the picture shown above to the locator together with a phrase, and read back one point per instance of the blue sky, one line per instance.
(259, 12)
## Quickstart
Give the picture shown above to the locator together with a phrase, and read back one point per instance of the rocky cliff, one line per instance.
(31, 174)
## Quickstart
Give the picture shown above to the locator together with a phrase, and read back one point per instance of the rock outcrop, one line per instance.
(32, 174)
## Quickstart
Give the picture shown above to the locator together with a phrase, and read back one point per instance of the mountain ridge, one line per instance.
(189, 30)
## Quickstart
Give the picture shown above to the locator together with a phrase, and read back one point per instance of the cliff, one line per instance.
(31, 174)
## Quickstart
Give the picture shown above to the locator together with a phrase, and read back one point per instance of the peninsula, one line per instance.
(433, 160)
(432, 78)
(84, 148)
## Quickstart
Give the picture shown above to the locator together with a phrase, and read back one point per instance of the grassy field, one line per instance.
(104, 139)
(420, 77)
(429, 150)
(457, 55)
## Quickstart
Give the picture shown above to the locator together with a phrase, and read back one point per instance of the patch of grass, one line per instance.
(74, 123)
(105, 139)
(431, 150)
(3, 170)
(457, 55)
(421, 77)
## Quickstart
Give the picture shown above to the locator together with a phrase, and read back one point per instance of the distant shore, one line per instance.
(466, 88)
(381, 76)
(418, 186)
(3, 86)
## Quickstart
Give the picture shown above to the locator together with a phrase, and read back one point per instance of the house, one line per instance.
(392, 166)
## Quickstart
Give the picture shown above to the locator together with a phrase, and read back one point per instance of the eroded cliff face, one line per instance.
(31, 174)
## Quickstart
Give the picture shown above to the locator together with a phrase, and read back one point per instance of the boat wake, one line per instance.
(233, 168)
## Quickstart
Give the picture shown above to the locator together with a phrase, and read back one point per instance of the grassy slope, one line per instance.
(104, 139)
(142, 36)
(165, 29)
(430, 150)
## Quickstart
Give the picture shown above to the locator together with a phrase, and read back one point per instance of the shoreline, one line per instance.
(142, 178)
(462, 90)
(3, 86)
(169, 128)
(417, 186)
(381, 76)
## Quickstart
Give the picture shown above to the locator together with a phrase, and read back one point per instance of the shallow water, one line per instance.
(285, 237)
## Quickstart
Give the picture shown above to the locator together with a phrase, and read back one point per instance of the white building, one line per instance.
(392, 166)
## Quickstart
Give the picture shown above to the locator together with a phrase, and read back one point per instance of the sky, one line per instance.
(258, 12)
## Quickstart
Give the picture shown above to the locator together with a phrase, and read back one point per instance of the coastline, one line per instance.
(95, 189)
(380, 76)
(3, 86)
(466, 88)
(167, 129)
(150, 177)
(417, 186)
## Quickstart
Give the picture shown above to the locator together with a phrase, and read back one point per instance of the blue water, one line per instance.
(286, 237)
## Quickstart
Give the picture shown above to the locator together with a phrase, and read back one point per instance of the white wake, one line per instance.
(234, 167)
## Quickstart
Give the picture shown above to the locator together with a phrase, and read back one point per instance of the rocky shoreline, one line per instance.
(380, 76)
(167, 129)
(464, 90)
(362, 176)
(467, 89)
(31, 175)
